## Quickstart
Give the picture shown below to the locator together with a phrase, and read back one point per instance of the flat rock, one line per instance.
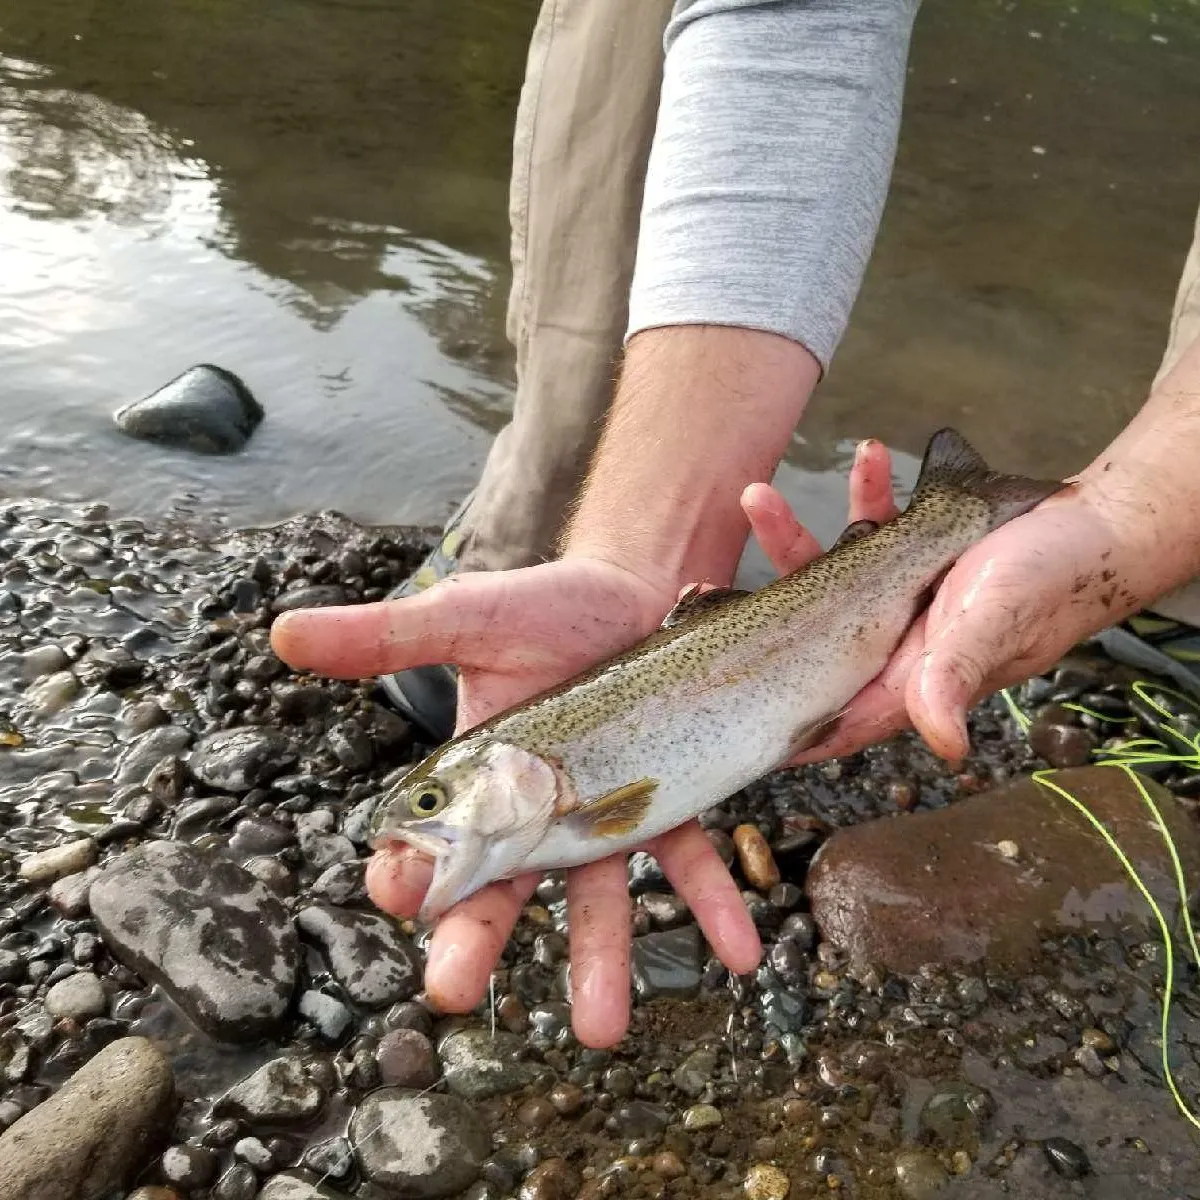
(236, 760)
(207, 410)
(218, 941)
(374, 963)
(279, 1091)
(96, 1132)
(418, 1146)
(988, 877)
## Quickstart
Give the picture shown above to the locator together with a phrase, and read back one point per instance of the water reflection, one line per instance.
(315, 196)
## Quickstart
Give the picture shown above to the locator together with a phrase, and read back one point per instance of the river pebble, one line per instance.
(281, 1091)
(371, 959)
(190, 1167)
(421, 1146)
(79, 996)
(766, 1182)
(236, 760)
(406, 1058)
(93, 1135)
(327, 1013)
(216, 939)
(478, 1065)
(755, 857)
(919, 1176)
(1068, 1159)
(48, 865)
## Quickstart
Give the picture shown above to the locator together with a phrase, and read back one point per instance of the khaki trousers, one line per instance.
(584, 125)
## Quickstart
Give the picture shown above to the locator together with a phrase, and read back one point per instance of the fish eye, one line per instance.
(427, 799)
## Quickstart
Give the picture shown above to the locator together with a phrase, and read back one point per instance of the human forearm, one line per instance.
(1147, 484)
(767, 177)
(700, 412)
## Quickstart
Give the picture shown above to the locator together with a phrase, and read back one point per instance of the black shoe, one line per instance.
(428, 696)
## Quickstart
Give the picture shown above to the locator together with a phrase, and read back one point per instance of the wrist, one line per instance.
(699, 413)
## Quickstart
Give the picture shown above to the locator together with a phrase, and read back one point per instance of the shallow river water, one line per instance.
(313, 194)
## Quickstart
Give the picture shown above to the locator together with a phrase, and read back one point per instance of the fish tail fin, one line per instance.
(952, 464)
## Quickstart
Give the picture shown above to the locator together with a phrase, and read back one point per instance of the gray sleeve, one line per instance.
(770, 164)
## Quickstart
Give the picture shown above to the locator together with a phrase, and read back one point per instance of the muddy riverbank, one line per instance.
(181, 905)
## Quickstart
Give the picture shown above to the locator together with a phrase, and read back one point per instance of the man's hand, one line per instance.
(513, 634)
(1011, 607)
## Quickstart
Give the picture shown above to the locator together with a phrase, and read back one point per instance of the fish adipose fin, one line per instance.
(618, 812)
(952, 464)
(854, 531)
(694, 601)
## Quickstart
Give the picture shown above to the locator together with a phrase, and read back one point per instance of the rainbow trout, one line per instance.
(729, 688)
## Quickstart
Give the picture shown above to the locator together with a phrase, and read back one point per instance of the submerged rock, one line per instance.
(279, 1091)
(207, 410)
(96, 1132)
(423, 1147)
(988, 877)
(218, 941)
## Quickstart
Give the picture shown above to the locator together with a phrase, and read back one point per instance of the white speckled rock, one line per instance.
(279, 1091)
(420, 1146)
(218, 941)
(369, 957)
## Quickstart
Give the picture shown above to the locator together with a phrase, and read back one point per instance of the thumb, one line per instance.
(448, 623)
(944, 685)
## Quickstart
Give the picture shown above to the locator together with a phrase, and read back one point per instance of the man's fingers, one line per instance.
(784, 541)
(700, 877)
(871, 494)
(469, 940)
(598, 909)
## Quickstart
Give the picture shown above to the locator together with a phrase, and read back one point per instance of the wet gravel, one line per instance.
(182, 825)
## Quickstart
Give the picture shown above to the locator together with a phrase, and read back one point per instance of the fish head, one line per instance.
(477, 808)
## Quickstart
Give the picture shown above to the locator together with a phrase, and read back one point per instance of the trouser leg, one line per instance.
(581, 142)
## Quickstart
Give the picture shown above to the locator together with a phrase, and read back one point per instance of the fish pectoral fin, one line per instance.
(695, 601)
(808, 736)
(618, 812)
(854, 531)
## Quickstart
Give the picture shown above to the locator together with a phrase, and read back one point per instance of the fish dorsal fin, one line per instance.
(952, 464)
(694, 602)
(618, 812)
(854, 531)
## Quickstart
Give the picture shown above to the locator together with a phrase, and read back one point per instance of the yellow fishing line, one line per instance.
(1125, 756)
(1040, 777)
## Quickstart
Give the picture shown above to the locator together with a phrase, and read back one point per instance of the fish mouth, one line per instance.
(454, 865)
